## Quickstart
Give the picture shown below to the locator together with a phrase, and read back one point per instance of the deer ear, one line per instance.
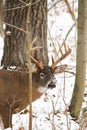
(59, 69)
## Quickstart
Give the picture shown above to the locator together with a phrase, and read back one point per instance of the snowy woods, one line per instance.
(45, 30)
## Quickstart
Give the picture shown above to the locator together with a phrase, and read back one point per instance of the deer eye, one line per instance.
(41, 75)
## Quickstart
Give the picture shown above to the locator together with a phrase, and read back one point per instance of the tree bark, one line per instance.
(38, 25)
(16, 48)
(1, 17)
(78, 93)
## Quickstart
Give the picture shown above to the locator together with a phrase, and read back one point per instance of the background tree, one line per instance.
(1, 14)
(15, 46)
(78, 92)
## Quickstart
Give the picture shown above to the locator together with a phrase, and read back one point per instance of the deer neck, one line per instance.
(35, 93)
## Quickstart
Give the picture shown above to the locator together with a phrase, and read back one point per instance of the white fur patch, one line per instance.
(42, 89)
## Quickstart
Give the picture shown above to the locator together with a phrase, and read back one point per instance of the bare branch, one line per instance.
(70, 11)
(22, 6)
(20, 29)
(69, 31)
(54, 4)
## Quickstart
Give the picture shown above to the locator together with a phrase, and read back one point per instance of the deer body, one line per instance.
(14, 87)
(14, 90)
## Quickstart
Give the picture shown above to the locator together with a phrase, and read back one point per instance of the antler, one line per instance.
(63, 55)
(38, 62)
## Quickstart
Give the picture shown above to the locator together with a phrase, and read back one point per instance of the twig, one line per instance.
(10, 109)
(28, 39)
(52, 41)
(69, 31)
(70, 11)
(23, 2)
(21, 6)
(35, 48)
(20, 29)
(70, 72)
(53, 126)
(54, 4)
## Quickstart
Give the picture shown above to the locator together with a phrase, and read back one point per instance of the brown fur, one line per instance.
(14, 92)
(14, 89)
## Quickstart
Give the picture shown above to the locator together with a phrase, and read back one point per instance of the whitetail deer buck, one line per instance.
(14, 90)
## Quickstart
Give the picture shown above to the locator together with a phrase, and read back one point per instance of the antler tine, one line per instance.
(60, 49)
(65, 47)
(37, 62)
(53, 60)
(67, 52)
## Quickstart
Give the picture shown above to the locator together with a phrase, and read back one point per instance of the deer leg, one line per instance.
(6, 116)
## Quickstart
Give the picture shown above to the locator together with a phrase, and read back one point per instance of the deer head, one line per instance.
(44, 74)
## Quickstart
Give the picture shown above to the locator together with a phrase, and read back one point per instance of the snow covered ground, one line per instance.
(50, 111)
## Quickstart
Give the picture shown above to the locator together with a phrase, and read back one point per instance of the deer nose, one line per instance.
(52, 84)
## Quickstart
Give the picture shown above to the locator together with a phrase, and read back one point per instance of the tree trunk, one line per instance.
(1, 14)
(16, 48)
(78, 93)
(38, 25)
